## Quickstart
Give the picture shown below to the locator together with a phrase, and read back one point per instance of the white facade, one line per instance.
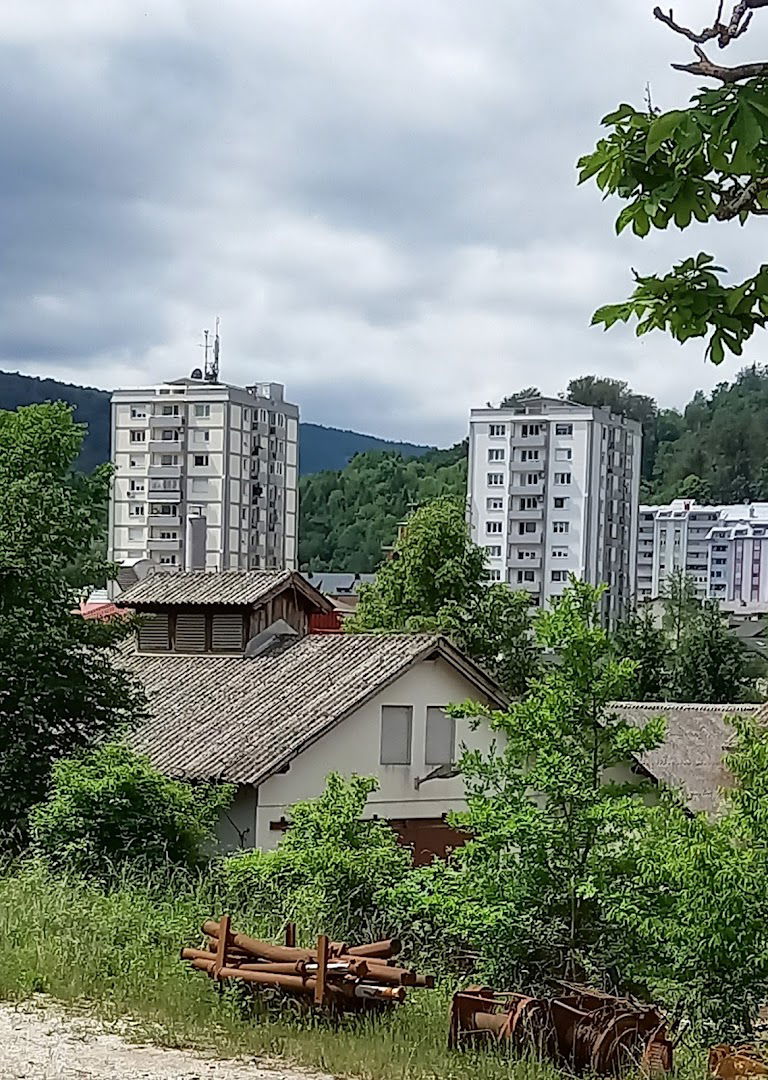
(206, 476)
(553, 490)
(355, 746)
(723, 548)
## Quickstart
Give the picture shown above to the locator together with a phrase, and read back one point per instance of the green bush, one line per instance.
(330, 870)
(110, 808)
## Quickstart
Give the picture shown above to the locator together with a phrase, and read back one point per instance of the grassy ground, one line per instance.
(117, 954)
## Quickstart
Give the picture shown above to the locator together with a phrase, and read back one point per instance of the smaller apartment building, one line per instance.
(724, 549)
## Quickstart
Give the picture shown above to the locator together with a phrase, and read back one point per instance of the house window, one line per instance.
(562, 478)
(497, 429)
(396, 731)
(496, 454)
(563, 454)
(494, 504)
(561, 526)
(525, 575)
(495, 479)
(440, 744)
(560, 502)
(494, 526)
(204, 410)
(559, 575)
(138, 436)
(201, 460)
(563, 429)
(494, 551)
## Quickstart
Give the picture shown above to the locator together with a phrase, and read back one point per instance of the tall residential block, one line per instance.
(724, 549)
(554, 491)
(206, 476)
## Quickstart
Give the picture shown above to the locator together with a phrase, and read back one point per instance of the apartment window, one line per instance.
(200, 486)
(495, 479)
(137, 461)
(169, 410)
(530, 479)
(559, 575)
(396, 732)
(136, 485)
(167, 560)
(263, 416)
(168, 534)
(494, 551)
(526, 554)
(497, 429)
(719, 562)
(559, 553)
(280, 420)
(169, 435)
(202, 436)
(526, 527)
(138, 436)
(494, 504)
(525, 575)
(529, 455)
(563, 429)
(494, 526)
(560, 502)
(136, 510)
(561, 527)
(200, 460)
(139, 412)
(529, 502)
(440, 744)
(496, 454)
(562, 454)
(526, 430)
(163, 509)
(204, 410)
(277, 468)
(169, 459)
(493, 575)
(562, 478)
(135, 534)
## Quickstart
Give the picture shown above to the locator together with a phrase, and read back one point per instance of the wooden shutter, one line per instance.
(190, 631)
(154, 635)
(227, 632)
(396, 729)
(441, 737)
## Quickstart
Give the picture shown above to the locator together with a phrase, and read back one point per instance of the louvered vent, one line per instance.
(154, 635)
(190, 631)
(227, 633)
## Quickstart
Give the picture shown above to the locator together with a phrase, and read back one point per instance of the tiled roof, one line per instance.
(219, 587)
(240, 719)
(691, 757)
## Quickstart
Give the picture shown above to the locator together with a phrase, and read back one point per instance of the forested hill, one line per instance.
(320, 447)
(716, 450)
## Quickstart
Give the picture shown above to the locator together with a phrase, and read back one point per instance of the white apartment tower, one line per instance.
(553, 491)
(206, 475)
(724, 549)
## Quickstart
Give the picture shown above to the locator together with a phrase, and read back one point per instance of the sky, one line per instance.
(377, 197)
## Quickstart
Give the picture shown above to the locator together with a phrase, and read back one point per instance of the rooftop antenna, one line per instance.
(211, 366)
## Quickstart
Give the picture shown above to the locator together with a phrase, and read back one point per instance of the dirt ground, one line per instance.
(42, 1043)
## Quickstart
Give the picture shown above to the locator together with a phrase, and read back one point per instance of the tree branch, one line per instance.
(705, 67)
(723, 32)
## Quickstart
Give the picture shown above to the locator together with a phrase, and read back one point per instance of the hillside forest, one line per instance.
(712, 450)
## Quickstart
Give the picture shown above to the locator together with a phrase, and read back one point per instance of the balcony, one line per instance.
(166, 446)
(528, 539)
(163, 496)
(165, 519)
(166, 421)
(170, 472)
(156, 544)
(529, 442)
(526, 515)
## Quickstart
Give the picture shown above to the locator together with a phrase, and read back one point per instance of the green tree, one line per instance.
(711, 664)
(696, 489)
(59, 687)
(639, 638)
(436, 580)
(706, 162)
(109, 809)
(545, 807)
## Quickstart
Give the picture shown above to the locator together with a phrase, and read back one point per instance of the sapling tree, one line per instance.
(706, 162)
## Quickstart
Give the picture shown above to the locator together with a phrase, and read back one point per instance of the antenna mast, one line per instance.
(211, 367)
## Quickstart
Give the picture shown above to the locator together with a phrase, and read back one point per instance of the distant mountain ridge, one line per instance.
(320, 447)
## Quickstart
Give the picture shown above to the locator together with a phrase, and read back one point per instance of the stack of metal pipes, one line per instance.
(331, 975)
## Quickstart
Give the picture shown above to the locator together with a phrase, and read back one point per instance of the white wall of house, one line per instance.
(354, 746)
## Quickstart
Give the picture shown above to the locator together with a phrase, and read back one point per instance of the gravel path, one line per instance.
(45, 1044)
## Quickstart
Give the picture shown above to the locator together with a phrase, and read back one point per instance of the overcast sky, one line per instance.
(378, 198)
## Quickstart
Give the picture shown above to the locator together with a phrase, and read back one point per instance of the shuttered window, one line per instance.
(154, 635)
(227, 632)
(440, 745)
(396, 729)
(190, 631)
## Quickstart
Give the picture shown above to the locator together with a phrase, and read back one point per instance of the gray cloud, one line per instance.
(379, 199)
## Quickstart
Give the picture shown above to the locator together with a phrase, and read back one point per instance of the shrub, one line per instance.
(110, 807)
(330, 869)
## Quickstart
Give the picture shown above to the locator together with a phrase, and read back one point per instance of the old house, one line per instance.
(240, 691)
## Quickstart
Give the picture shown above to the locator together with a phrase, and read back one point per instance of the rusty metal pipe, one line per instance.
(286, 982)
(378, 949)
(276, 953)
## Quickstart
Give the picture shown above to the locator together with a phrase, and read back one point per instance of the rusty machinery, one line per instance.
(580, 1028)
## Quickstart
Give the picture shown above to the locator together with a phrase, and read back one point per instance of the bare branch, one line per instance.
(724, 33)
(705, 67)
